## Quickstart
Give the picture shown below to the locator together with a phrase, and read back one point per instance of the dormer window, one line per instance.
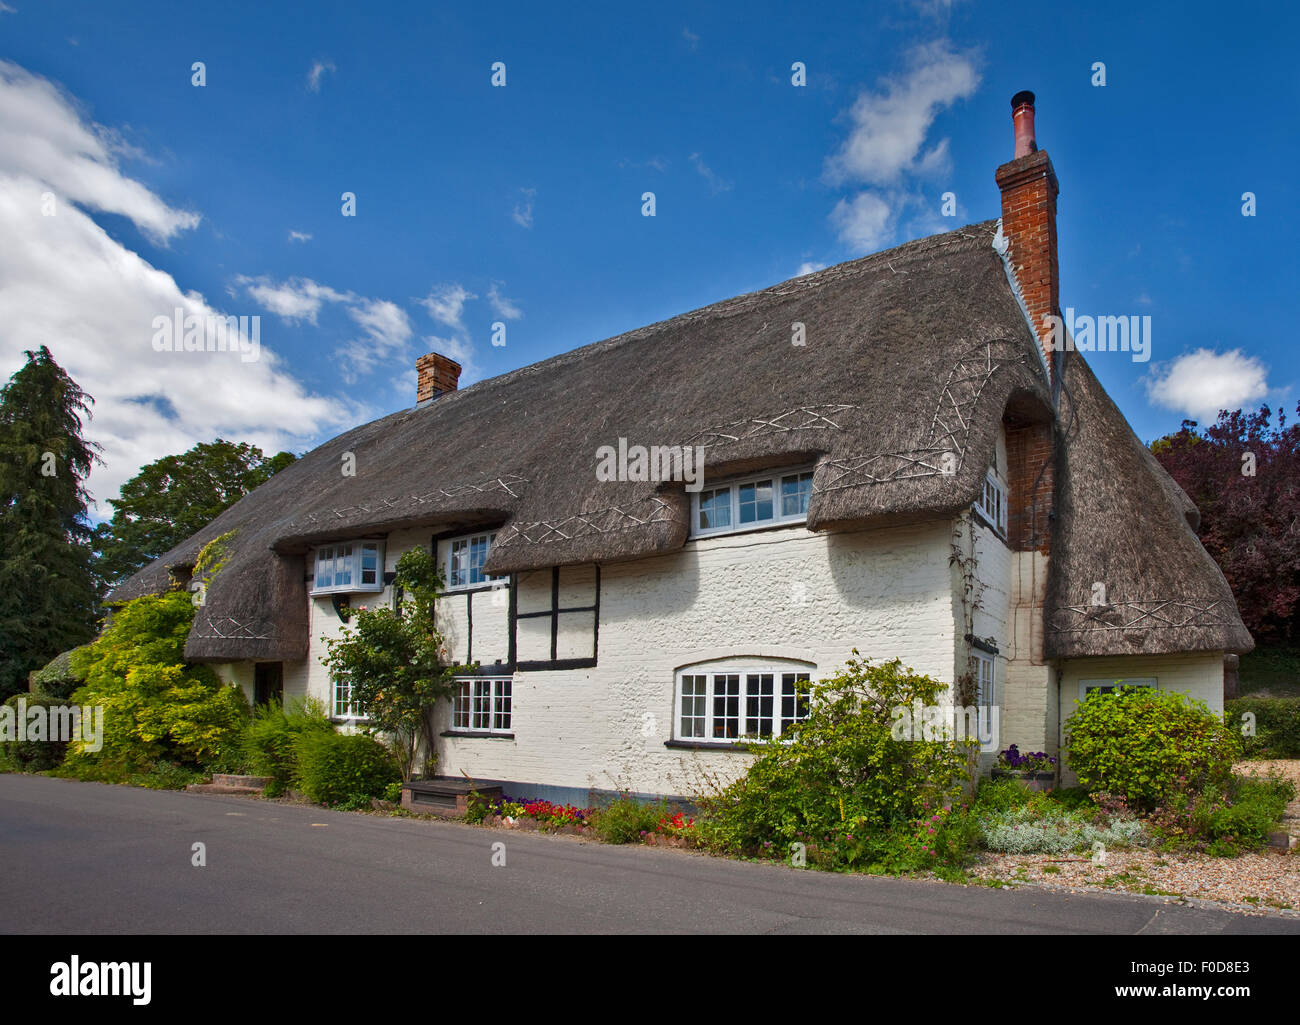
(348, 567)
(465, 559)
(748, 503)
(991, 506)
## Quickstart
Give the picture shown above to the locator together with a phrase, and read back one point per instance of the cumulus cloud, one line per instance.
(506, 309)
(889, 126)
(1202, 382)
(65, 283)
(319, 68)
(888, 143)
(295, 299)
(299, 236)
(446, 304)
(864, 223)
(808, 267)
(44, 137)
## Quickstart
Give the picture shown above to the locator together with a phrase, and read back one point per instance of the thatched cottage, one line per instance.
(896, 460)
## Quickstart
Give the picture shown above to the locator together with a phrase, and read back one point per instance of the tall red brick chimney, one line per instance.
(435, 375)
(1029, 191)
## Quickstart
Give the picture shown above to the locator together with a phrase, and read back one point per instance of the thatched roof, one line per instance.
(1122, 522)
(909, 354)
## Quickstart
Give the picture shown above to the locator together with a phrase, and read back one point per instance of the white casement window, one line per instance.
(1110, 685)
(992, 503)
(482, 705)
(752, 502)
(986, 692)
(465, 558)
(344, 707)
(349, 566)
(727, 705)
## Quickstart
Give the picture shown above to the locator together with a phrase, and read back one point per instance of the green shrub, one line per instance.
(269, 742)
(393, 792)
(1277, 725)
(336, 767)
(34, 755)
(841, 772)
(1145, 744)
(156, 705)
(626, 820)
(1041, 828)
(165, 776)
(57, 678)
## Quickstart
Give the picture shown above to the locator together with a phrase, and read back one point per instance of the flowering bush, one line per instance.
(1035, 761)
(675, 825)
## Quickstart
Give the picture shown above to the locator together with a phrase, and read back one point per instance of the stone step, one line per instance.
(227, 779)
(222, 788)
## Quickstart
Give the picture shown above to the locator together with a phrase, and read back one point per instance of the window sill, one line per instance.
(701, 745)
(346, 591)
(348, 720)
(477, 734)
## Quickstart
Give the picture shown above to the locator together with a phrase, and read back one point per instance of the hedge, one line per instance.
(1277, 725)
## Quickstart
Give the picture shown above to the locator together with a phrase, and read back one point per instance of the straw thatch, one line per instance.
(909, 355)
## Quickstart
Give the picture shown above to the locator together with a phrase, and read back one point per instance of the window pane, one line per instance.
(715, 508)
(756, 501)
(370, 564)
(456, 564)
(481, 718)
(343, 566)
(795, 492)
(794, 698)
(694, 694)
(501, 706)
(460, 714)
(758, 704)
(726, 706)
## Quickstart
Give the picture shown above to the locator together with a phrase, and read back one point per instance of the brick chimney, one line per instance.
(1029, 191)
(435, 375)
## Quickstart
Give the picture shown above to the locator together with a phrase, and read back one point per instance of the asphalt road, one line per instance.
(95, 859)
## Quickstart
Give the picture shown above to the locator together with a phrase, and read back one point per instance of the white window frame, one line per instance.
(986, 689)
(468, 539)
(778, 518)
(1109, 684)
(346, 710)
(483, 704)
(746, 674)
(991, 506)
(329, 555)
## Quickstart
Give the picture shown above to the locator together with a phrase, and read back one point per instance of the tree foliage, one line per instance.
(1243, 473)
(47, 589)
(175, 497)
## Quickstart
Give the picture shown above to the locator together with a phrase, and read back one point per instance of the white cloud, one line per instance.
(1202, 382)
(889, 126)
(299, 236)
(716, 184)
(809, 267)
(65, 284)
(6, 9)
(506, 309)
(865, 223)
(446, 304)
(317, 73)
(692, 40)
(388, 330)
(523, 211)
(44, 137)
(295, 299)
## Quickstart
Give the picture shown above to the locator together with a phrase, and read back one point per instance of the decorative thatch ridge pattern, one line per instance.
(908, 354)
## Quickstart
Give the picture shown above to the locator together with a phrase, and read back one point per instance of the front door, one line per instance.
(268, 682)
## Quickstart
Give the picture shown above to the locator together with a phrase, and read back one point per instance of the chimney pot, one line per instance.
(435, 375)
(1022, 119)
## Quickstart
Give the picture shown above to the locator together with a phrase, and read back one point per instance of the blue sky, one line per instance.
(522, 205)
